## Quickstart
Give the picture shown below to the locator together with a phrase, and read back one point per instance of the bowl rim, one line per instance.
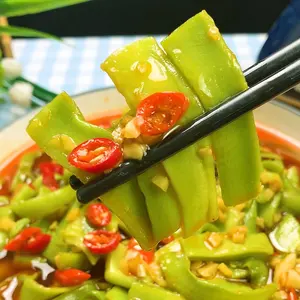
(275, 101)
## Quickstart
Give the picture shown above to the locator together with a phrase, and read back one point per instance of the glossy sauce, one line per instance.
(283, 145)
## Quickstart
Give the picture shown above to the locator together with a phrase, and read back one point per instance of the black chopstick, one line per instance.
(202, 126)
(273, 63)
(253, 74)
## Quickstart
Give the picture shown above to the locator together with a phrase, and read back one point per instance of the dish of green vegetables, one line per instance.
(217, 220)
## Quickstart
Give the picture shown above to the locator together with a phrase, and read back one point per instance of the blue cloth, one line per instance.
(284, 31)
(74, 66)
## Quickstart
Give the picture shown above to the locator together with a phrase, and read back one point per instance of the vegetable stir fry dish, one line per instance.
(216, 221)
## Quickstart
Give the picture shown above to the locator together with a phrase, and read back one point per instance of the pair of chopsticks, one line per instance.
(267, 79)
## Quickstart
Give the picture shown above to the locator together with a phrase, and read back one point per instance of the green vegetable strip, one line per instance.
(268, 211)
(141, 69)
(256, 245)
(293, 176)
(116, 293)
(6, 211)
(65, 260)
(57, 243)
(291, 196)
(128, 203)
(74, 232)
(234, 218)
(143, 291)
(250, 217)
(43, 190)
(190, 287)
(45, 205)
(25, 168)
(276, 166)
(163, 210)
(286, 235)
(113, 273)
(33, 290)
(57, 129)
(18, 227)
(87, 291)
(3, 239)
(258, 271)
(70, 234)
(200, 53)
(25, 193)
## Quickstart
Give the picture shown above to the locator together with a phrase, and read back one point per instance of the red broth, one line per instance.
(288, 148)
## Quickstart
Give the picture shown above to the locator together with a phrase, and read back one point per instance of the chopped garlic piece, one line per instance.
(215, 239)
(117, 135)
(21, 93)
(204, 152)
(133, 151)
(131, 130)
(288, 263)
(292, 280)
(238, 234)
(161, 181)
(272, 179)
(195, 265)
(67, 142)
(53, 225)
(73, 214)
(209, 271)
(297, 88)
(12, 68)
(156, 274)
(214, 33)
(6, 224)
(225, 270)
(280, 295)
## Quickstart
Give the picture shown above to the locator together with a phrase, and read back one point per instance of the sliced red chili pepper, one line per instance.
(292, 295)
(98, 214)
(71, 277)
(51, 167)
(102, 241)
(159, 112)
(96, 155)
(147, 256)
(168, 239)
(48, 171)
(5, 186)
(37, 244)
(31, 240)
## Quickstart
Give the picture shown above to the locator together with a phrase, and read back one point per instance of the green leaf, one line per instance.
(10, 8)
(26, 32)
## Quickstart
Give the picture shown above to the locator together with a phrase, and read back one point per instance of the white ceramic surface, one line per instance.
(95, 102)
